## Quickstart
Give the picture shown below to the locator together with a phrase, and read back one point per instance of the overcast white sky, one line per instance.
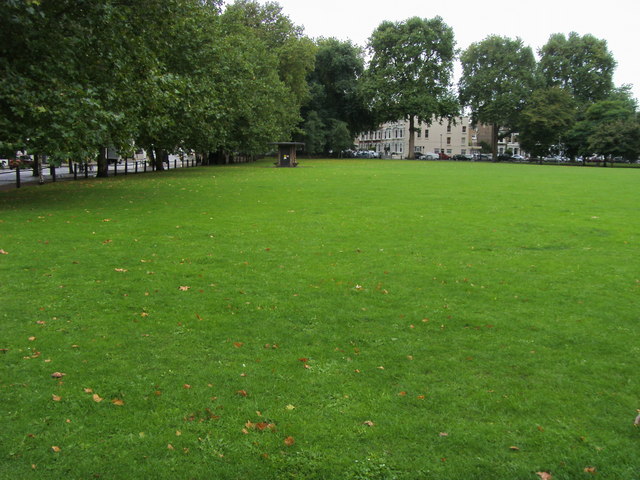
(616, 21)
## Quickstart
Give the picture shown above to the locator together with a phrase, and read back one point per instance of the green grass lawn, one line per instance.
(341, 320)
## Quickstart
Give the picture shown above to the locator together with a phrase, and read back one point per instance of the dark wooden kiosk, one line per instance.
(287, 153)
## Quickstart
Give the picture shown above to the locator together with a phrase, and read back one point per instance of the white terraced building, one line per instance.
(391, 139)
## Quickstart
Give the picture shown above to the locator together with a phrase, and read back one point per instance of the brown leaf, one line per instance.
(118, 402)
(242, 393)
(56, 398)
(590, 469)
(120, 269)
(544, 475)
(32, 339)
(184, 288)
(289, 441)
(97, 398)
(238, 344)
(368, 423)
(55, 449)
(2, 252)
(87, 390)
(57, 375)
(186, 386)
(170, 447)
(514, 449)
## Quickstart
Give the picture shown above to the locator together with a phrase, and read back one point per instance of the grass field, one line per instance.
(341, 320)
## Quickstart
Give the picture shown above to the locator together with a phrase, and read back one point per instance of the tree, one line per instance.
(549, 114)
(619, 107)
(498, 74)
(409, 75)
(620, 138)
(336, 109)
(583, 65)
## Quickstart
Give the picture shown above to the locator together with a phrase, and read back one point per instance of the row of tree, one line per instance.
(77, 76)
(565, 100)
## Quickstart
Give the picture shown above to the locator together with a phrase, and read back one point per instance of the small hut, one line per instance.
(287, 153)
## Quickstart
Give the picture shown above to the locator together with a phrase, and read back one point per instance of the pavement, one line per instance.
(8, 176)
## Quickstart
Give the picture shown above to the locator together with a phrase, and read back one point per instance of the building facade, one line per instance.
(456, 137)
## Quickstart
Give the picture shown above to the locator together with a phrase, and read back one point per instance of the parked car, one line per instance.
(24, 161)
(518, 158)
(430, 156)
(444, 156)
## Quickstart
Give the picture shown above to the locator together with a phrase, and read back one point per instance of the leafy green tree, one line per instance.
(619, 107)
(498, 74)
(620, 138)
(410, 71)
(549, 114)
(336, 101)
(582, 64)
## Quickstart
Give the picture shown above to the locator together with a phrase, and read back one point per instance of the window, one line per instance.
(463, 151)
(448, 140)
(419, 132)
(426, 133)
(463, 140)
(448, 128)
(464, 129)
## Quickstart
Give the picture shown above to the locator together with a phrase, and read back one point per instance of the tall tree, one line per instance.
(582, 64)
(337, 110)
(410, 72)
(548, 116)
(619, 109)
(498, 74)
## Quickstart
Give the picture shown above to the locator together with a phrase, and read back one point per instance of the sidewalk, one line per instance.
(8, 177)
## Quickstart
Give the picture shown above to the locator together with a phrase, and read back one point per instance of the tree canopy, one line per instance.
(337, 111)
(582, 64)
(410, 72)
(498, 75)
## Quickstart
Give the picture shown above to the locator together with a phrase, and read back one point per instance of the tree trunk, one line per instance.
(412, 138)
(494, 141)
(36, 166)
(37, 163)
(159, 159)
(103, 163)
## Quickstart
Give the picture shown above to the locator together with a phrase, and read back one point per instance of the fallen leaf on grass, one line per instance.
(544, 475)
(590, 470)
(118, 402)
(57, 375)
(242, 393)
(97, 398)
(186, 386)
(32, 339)
(87, 390)
(368, 423)
(56, 398)
(183, 288)
(120, 269)
(2, 252)
(289, 441)
(55, 449)
(238, 344)
(443, 434)
(514, 449)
